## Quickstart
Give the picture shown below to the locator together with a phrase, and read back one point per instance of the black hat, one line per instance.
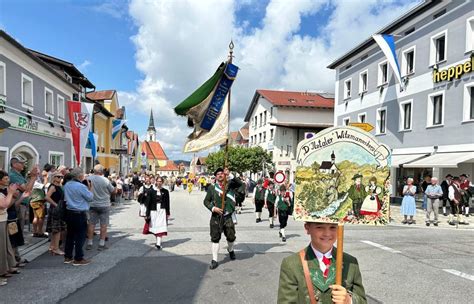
(463, 175)
(218, 170)
(357, 175)
(449, 175)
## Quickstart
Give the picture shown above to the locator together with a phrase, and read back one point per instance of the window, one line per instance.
(468, 106)
(470, 34)
(405, 115)
(259, 137)
(48, 102)
(381, 121)
(439, 14)
(362, 117)
(61, 108)
(408, 32)
(347, 88)
(255, 122)
(4, 158)
(56, 158)
(435, 109)
(363, 82)
(261, 120)
(271, 134)
(383, 73)
(408, 62)
(265, 136)
(281, 151)
(3, 79)
(271, 112)
(265, 118)
(345, 121)
(26, 92)
(438, 47)
(288, 149)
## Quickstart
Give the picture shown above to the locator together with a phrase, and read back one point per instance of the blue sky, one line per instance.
(155, 53)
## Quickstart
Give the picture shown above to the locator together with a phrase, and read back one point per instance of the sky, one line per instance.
(156, 53)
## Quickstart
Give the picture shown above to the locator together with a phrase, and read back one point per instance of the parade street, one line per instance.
(399, 264)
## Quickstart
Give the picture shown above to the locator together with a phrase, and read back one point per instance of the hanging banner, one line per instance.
(342, 175)
(80, 117)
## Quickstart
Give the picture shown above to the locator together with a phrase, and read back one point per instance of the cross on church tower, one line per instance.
(151, 131)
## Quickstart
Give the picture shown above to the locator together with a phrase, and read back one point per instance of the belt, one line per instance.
(77, 211)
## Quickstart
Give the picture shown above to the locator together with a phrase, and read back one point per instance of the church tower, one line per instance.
(151, 131)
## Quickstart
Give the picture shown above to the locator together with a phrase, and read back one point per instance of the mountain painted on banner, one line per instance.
(343, 151)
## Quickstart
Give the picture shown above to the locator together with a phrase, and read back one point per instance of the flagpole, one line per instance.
(226, 149)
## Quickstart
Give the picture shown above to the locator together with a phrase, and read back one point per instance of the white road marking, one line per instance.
(381, 247)
(460, 274)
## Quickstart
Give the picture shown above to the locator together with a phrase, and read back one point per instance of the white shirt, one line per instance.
(319, 256)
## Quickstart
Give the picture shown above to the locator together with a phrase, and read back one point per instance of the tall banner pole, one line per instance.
(339, 252)
(226, 150)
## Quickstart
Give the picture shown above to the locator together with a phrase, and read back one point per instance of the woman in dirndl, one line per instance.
(408, 202)
(143, 194)
(55, 224)
(158, 211)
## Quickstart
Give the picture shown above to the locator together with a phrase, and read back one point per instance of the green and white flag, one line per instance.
(206, 109)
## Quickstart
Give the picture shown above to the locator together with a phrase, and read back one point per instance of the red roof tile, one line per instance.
(154, 150)
(234, 135)
(297, 99)
(244, 132)
(101, 95)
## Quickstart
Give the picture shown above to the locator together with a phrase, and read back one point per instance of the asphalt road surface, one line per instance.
(399, 264)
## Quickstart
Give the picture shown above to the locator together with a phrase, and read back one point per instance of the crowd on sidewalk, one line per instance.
(454, 192)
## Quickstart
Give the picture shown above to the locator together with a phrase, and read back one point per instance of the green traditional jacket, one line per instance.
(357, 195)
(281, 204)
(271, 196)
(292, 287)
(214, 199)
(259, 192)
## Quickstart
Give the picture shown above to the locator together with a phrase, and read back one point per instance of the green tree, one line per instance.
(240, 159)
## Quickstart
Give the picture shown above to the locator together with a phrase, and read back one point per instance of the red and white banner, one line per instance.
(80, 118)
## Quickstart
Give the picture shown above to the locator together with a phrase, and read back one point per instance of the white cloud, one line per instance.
(179, 44)
(113, 8)
(84, 65)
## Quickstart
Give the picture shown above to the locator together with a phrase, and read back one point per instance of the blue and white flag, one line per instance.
(387, 44)
(116, 126)
(93, 138)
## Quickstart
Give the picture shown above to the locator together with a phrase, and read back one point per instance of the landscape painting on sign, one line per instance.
(342, 175)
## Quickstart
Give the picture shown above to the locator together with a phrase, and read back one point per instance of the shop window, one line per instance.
(56, 159)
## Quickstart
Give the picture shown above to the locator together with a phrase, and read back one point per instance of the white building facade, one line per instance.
(430, 123)
(279, 120)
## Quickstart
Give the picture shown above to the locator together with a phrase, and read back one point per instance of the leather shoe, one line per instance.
(271, 225)
(213, 265)
(232, 255)
(283, 239)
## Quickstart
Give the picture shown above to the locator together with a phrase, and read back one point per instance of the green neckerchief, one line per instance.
(317, 276)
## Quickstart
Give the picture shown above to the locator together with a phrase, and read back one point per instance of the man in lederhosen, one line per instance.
(445, 187)
(466, 195)
(259, 200)
(221, 219)
(270, 198)
(455, 199)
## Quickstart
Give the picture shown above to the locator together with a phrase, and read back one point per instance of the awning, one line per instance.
(442, 160)
(402, 159)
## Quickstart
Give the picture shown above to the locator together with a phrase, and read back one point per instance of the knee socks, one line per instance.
(230, 246)
(158, 240)
(215, 251)
(282, 231)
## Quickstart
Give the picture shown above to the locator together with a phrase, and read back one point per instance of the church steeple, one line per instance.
(151, 131)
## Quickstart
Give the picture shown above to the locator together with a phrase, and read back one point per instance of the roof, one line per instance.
(390, 28)
(154, 150)
(326, 165)
(35, 58)
(234, 135)
(244, 131)
(71, 68)
(202, 160)
(292, 99)
(101, 95)
(170, 166)
(301, 125)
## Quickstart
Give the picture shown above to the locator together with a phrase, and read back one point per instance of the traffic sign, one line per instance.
(362, 125)
(279, 177)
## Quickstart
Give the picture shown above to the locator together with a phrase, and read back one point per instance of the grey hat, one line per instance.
(17, 158)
